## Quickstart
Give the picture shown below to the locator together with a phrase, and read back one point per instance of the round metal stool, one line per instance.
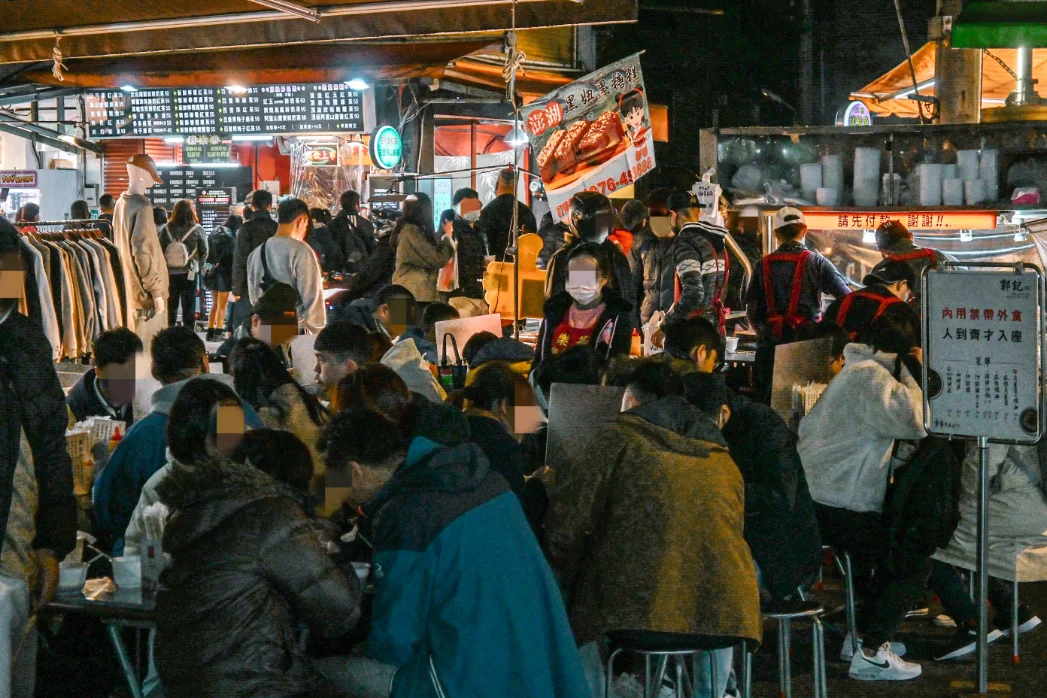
(785, 617)
(671, 653)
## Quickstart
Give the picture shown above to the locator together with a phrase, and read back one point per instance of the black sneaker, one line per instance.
(963, 643)
(1026, 621)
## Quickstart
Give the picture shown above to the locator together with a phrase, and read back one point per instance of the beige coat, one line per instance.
(418, 263)
(287, 411)
(137, 240)
(1017, 515)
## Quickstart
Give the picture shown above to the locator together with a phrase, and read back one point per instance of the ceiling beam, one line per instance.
(8, 127)
(370, 8)
(36, 96)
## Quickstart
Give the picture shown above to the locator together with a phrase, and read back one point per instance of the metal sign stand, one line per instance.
(983, 564)
(983, 448)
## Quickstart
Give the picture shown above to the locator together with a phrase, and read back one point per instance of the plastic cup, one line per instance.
(127, 572)
(363, 571)
(732, 345)
(827, 196)
(71, 576)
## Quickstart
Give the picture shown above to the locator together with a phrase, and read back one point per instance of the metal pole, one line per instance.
(983, 564)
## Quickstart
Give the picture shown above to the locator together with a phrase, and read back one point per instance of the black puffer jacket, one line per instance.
(780, 524)
(252, 233)
(472, 248)
(31, 401)
(247, 569)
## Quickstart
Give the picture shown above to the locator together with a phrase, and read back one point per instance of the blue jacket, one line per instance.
(142, 452)
(460, 579)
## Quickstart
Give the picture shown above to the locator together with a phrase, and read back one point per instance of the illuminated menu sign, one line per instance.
(262, 110)
(187, 182)
(213, 206)
(206, 149)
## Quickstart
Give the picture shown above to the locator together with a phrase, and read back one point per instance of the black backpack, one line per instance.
(922, 510)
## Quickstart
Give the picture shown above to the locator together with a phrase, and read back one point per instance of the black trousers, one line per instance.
(888, 596)
(182, 293)
(763, 373)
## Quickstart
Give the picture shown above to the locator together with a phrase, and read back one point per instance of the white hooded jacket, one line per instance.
(846, 440)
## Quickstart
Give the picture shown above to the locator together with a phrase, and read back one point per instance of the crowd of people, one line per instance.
(376, 530)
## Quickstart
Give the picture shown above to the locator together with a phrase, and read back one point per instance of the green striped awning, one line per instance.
(1001, 24)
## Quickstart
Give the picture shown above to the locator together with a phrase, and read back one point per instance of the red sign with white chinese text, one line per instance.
(913, 220)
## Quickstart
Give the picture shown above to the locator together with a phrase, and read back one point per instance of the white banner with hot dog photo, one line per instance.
(593, 134)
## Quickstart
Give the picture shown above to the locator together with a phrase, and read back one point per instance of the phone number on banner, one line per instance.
(617, 174)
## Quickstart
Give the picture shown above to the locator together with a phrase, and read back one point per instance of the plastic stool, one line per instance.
(675, 651)
(785, 618)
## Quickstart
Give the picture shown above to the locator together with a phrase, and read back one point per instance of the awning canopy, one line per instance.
(133, 27)
(1001, 24)
(887, 95)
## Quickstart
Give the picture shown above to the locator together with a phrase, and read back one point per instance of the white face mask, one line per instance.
(472, 216)
(583, 292)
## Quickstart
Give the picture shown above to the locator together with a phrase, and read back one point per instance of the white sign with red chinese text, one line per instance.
(593, 134)
(982, 354)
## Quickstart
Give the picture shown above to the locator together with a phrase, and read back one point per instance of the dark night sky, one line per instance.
(709, 69)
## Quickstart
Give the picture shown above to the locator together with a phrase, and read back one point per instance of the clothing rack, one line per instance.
(74, 282)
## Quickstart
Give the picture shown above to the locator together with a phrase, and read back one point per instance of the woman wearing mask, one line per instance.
(589, 313)
(418, 257)
(263, 382)
(185, 247)
(218, 277)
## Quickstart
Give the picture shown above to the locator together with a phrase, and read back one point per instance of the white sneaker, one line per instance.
(885, 666)
(847, 651)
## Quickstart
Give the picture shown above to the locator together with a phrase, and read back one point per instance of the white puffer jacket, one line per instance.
(846, 440)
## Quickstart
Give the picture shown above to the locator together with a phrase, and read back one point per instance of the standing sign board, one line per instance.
(983, 353)
(983, 356)
(594, 134)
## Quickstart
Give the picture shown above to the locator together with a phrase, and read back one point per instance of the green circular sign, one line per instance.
(387, 147)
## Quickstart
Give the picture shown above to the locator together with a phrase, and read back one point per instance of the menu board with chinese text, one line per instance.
(211, 148)
(982, 353)
(213, 206)
(261, 110)
(187, 182)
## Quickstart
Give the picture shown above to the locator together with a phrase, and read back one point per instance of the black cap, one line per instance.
(592, 216)
(682, 200)
(890, 271)
(278, 304)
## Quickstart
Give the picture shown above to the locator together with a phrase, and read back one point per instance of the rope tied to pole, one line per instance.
(56, 57)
